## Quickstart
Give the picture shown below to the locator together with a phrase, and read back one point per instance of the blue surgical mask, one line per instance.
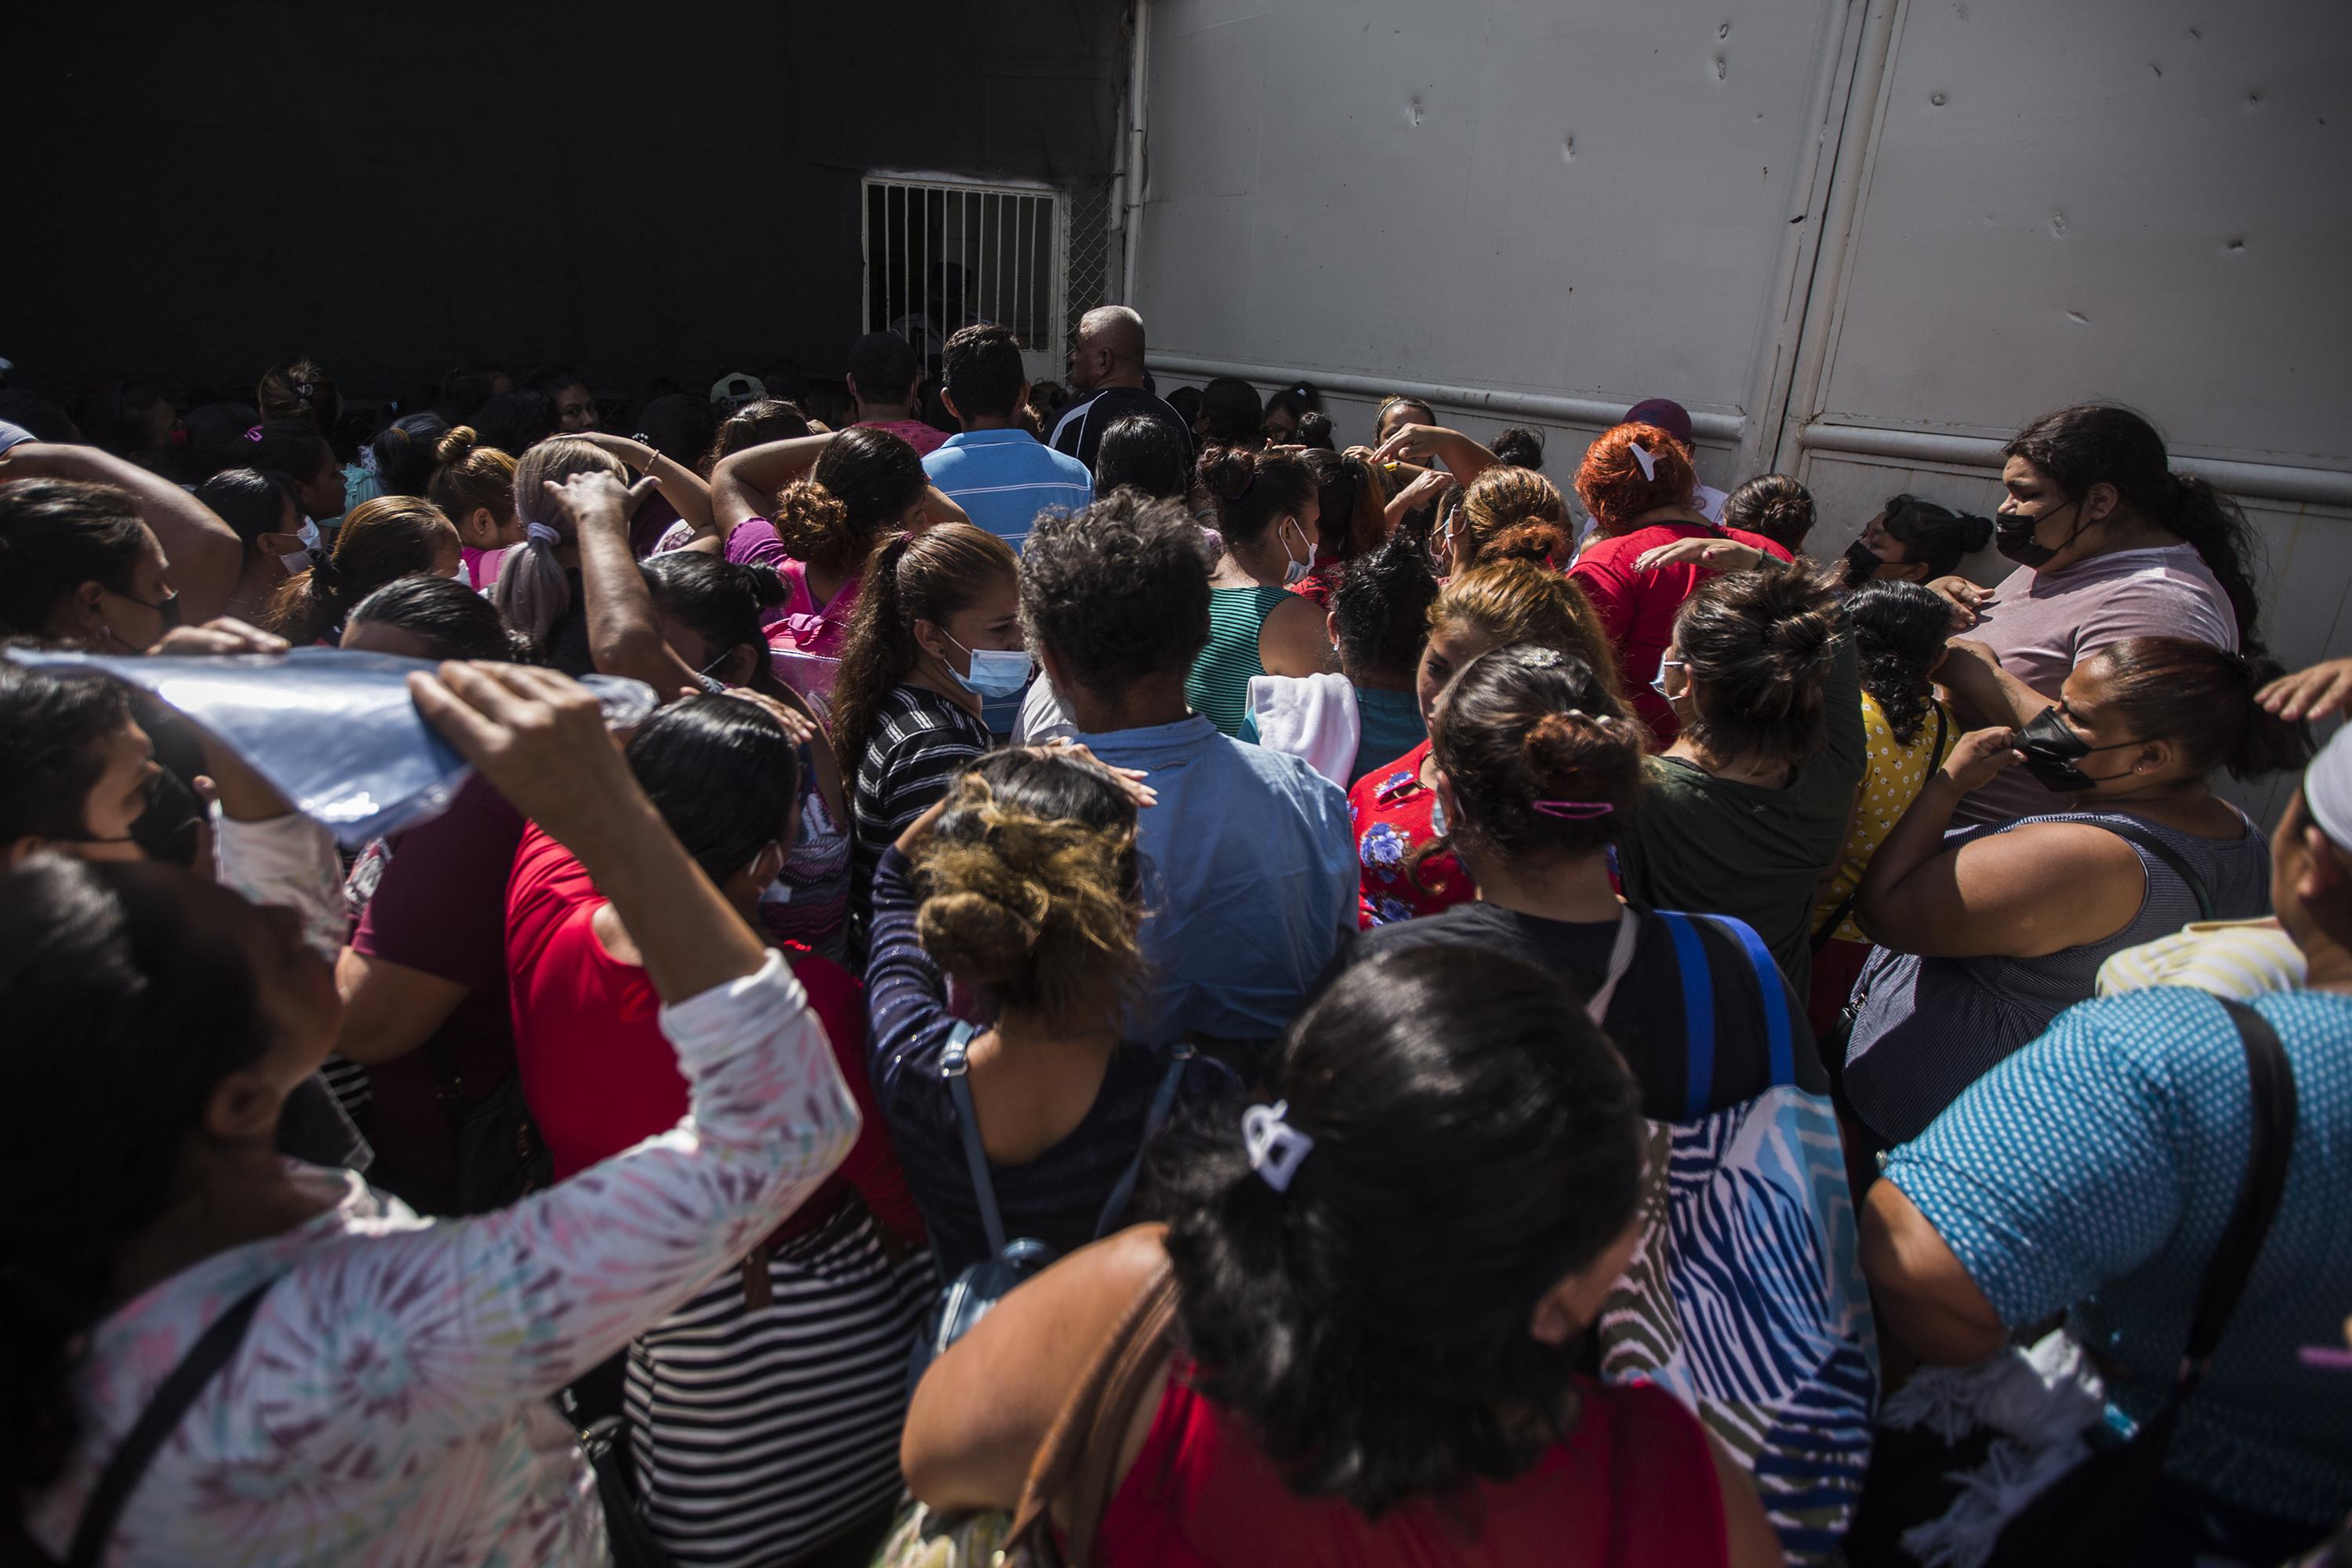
(995, 672)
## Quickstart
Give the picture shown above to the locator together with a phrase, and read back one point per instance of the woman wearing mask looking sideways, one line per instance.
(1914, 540)
(938, 633)
(1987, 936)
(1268, 511)
(2111, 544)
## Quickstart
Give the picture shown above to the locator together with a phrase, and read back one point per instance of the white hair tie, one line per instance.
(1275, 1148)
(1649, 464)
(540, 534)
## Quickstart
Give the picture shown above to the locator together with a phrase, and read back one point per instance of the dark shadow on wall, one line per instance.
(197, 191)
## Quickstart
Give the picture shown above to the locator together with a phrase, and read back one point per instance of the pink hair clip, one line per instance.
(1575, 810)
(254, 433)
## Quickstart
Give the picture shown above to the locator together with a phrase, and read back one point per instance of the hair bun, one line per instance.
(973, 930)
(1535, 541)
(455, 445)
(1228, 471)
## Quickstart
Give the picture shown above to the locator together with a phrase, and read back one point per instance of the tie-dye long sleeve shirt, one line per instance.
(389, 1402)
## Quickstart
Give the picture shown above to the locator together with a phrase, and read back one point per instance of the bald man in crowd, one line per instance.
(1106, 369)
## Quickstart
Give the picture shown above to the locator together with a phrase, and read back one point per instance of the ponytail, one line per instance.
(533, 591)
(382, 541)
(930, 576)
(2214, 525)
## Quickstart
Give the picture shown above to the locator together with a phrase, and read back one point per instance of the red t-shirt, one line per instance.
(1633, 1487)
(1391, 808)
(598, 1073)
(1638, 607)
(436, 902)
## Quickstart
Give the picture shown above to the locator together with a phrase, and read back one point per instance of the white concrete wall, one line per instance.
(1829, 229)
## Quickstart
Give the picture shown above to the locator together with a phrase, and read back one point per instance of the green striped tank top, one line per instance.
(1219, 684)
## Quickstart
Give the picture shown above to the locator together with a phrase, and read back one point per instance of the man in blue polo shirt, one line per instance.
(1001, 475)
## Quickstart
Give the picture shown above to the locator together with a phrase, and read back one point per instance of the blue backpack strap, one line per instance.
(1698, 1011)
(1778, 1035)
(1179, 1057)
(954, 1065)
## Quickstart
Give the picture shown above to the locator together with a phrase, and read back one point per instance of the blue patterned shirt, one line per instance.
(2096, 1168)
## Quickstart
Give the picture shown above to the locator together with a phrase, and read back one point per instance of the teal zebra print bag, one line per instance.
(1746, 1299)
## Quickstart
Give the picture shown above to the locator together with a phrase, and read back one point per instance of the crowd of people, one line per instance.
(1134, 980)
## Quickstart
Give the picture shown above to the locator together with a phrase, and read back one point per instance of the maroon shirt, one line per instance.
(439, 906)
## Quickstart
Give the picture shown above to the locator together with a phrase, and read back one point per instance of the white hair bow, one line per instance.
(1275, 1148)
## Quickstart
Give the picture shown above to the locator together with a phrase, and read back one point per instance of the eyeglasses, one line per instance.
(1658, 681)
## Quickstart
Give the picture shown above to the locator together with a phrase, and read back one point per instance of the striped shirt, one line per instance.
(2238, 959)
(1004, 478)
(921, 743)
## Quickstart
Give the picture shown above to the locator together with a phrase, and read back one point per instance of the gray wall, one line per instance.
(196, 191)
(1862, 241)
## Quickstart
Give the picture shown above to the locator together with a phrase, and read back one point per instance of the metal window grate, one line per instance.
(943, 253)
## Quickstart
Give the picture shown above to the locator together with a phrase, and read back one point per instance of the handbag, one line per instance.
(1077, 1464)
(1745, 1299)
(969, 1296)
(211, 1351)
(501, 1159)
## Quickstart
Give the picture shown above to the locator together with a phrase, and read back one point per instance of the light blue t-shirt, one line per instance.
(2096, 1168)
(1249, 882)
(1004, 478)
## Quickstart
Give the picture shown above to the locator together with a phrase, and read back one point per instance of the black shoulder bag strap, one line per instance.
(1179, 1057)
(2171, 857)
(2270, 1150)
(1822, 937)
(156, 1423)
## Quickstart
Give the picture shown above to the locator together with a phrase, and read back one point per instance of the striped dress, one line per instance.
(1218, 686)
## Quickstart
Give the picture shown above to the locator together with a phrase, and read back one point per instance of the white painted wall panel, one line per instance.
(1386, 186)
(2149, 200)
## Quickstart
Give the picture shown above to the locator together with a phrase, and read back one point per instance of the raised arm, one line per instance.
(745, 484)
(685, 489)
(205, 554)
(1414, 443)
(625, 635)
(514, 1305)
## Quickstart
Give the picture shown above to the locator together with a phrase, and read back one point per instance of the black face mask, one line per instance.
(1862, 562)
(2051, 749)
(2013, 535)
(168, 829)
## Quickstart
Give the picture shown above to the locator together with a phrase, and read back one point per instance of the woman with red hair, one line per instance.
(1638, 483)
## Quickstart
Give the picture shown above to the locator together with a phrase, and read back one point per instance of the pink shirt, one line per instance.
(800, 623)
(923, 437)
(2042, 624)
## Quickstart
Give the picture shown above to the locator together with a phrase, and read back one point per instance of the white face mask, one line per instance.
(1299, 569)
(300, 559)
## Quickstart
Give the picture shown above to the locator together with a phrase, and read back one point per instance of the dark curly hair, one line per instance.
(1381, 610)
(864, 482)
(1476, 1141)
(1899, 630)
(1117, 591)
